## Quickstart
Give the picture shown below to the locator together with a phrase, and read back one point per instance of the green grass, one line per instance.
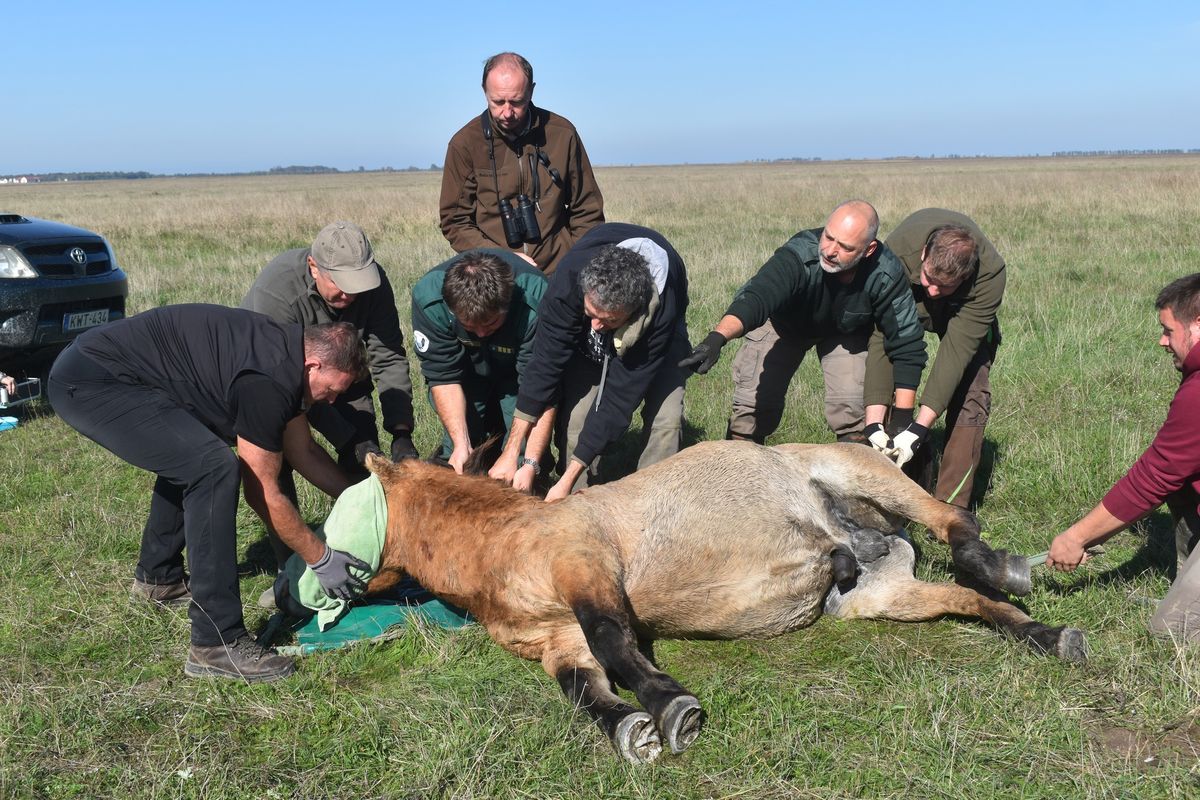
(96, 704)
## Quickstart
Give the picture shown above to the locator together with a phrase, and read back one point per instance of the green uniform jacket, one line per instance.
(469, 207)
(804, 301)
(962, 320)
(450, 354)
(285, 292)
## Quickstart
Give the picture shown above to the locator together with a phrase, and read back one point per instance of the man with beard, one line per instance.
(827, 288)
(1168, 472)
(518, 175)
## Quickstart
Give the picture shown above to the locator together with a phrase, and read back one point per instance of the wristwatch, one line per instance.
(526, 461)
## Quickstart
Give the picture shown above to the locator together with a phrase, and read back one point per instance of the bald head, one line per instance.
(508, 88)
(849, 236)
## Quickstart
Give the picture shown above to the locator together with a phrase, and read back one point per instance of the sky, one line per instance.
(221, 86)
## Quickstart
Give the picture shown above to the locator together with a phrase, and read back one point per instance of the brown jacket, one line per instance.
(470, 212)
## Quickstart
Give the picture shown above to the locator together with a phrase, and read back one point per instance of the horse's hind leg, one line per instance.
(630, 730)
(906, 599)
(873, 479)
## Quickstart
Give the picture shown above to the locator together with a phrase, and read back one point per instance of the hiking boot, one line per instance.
(245, 659)
(165, 594)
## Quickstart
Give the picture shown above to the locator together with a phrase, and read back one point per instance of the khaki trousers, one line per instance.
(1178, 613)
(763, 370)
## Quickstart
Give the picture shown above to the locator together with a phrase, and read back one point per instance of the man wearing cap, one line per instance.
(473, 320)
(338, 280)
(515, 150)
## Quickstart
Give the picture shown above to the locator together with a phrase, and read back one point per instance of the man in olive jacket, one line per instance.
(826, 288)
(515, 150)
(957, 278)
(336, 280)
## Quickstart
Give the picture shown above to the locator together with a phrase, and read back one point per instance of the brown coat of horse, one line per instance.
(724, 540)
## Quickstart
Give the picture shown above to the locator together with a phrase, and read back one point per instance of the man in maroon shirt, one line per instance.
(1168, 472)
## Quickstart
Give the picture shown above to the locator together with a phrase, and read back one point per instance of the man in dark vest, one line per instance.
(171, 390)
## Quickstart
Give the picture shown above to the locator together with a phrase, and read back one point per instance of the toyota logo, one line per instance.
(78, 256)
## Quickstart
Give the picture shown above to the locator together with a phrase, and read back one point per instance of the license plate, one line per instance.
(84, 319)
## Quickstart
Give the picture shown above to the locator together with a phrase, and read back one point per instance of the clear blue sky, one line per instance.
(222, 86)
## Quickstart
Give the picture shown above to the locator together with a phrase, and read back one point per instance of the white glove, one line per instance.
(878, 437)
(906, 443)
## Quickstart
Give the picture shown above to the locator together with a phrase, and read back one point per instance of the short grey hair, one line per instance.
(617, 279)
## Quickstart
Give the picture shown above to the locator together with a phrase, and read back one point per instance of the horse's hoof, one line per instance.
(681, 722)
(636, 738)
(1072, 646)
(1017, 575)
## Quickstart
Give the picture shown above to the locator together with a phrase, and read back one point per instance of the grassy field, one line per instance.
(96, 703)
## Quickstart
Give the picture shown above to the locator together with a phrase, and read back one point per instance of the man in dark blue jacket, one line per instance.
(610, 333)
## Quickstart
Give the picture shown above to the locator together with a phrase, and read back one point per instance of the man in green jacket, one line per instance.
(957, 278)
(473, 321)
(826, 288)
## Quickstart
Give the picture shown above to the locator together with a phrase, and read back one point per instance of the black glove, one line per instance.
(364, 449)
(402, 446)
(334, 575)
(705, 355)
(898, 420)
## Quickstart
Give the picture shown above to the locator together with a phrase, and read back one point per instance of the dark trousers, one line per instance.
(195, 498)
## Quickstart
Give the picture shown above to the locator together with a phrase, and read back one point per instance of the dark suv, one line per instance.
(56, 281)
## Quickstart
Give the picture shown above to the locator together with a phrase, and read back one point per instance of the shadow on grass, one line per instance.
(1156, 556)
(990, 457)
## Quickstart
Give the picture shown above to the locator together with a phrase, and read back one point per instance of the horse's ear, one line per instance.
(380, 465)
(483, 457)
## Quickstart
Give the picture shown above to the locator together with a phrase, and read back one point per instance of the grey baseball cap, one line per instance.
(342, 250)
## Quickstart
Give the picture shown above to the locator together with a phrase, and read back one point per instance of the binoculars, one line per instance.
(520, 224)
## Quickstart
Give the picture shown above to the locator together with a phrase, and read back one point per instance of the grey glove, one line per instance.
(705, 354)
(906, 443)
(333, 573)
(878, 437)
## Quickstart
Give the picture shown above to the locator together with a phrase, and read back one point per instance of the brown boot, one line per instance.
(244, 659)
(960, 463)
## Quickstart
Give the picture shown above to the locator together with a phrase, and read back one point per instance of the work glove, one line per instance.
(402, 446)
(333, 573)
(364, 449)
(705, 354)
(906, 443)
(878, 437)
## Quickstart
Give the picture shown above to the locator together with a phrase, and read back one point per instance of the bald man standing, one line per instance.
(827, 288)
(517, 176)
